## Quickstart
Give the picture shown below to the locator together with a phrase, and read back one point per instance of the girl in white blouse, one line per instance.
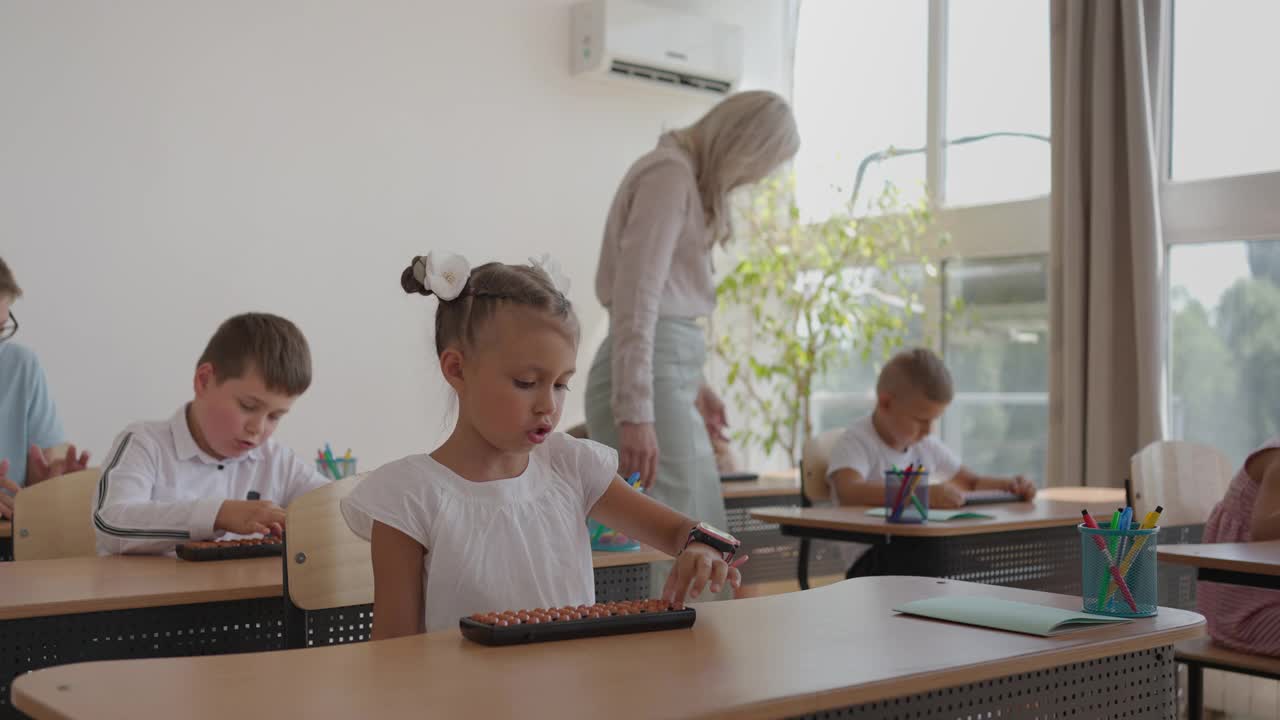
(495, 518)
(655, 278)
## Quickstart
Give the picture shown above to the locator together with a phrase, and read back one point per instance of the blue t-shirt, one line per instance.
(27, 414)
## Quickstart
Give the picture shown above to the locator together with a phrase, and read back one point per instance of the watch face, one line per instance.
(717, 533)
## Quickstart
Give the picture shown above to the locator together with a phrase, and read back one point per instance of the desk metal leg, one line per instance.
(1195, 692)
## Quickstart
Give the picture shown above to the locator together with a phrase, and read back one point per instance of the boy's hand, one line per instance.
(8, 489)
(1022, 487)
(694, 568)
(246, 517)
(945, 496)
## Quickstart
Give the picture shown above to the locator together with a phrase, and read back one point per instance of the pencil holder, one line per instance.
(346, 467)
(1108, 556)
(609, 540)
(603, 538)
(906, 496)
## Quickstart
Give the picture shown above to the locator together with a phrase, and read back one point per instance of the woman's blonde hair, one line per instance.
(738, 142)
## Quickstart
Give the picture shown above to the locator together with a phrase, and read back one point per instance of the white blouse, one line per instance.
(508, 544)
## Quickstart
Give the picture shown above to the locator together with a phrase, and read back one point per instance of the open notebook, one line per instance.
(1005, 614)
(938, 514)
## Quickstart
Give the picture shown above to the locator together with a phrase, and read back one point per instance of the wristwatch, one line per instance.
(721, 541)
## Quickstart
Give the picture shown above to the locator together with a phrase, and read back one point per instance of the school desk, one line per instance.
(54, 612)
(839, 647)
(1090, 497)
(1031, 545)
(1256, 564)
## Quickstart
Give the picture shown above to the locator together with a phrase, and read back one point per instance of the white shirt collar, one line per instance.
(187, 449)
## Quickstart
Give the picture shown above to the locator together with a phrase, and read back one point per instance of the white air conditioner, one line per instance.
(635, 42)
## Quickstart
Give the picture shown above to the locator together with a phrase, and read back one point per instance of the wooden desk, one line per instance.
(771, 484)
(839, 646)
(1032, 545)
(42, 588)
(1094, 498)
(1254, 564)
(54, 612)
(645, 555)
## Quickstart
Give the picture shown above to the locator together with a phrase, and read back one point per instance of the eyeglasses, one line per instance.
(10, 328)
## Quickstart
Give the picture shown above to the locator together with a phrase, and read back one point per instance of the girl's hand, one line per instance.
(696, 567)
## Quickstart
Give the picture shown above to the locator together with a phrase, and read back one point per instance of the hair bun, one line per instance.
(410, 283)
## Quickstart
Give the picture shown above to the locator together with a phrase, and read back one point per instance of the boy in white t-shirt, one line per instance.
(912, 392)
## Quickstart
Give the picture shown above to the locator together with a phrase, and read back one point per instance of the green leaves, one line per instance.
(806, 297)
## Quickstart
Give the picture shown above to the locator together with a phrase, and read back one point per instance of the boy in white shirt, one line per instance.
(212, 469)
(912, 392)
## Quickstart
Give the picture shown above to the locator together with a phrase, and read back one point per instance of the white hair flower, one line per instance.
(552, 268)
(443, 273)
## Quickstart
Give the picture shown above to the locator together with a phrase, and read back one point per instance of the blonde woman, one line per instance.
(655, 279)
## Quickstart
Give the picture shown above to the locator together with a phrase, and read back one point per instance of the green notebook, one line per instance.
(1005, 614)
(938, 514)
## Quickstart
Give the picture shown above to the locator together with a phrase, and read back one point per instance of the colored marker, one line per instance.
(1148, 523)
(1115, 571)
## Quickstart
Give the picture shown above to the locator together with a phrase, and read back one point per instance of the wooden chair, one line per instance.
(328, 572)
(54, 519)
(814, 458)
(1186, 478)
(1201, 654)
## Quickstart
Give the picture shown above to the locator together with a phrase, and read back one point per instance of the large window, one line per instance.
(861, 81)
(1225, 95)
(920, 94)
(1219, 155)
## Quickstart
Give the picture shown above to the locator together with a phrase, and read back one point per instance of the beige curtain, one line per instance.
(1106, 397)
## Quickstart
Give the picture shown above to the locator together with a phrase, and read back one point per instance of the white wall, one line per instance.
(164, 165)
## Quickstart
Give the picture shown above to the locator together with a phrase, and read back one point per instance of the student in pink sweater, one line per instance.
(1243, 618)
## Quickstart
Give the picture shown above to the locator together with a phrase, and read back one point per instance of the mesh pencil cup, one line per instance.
(1129, 553)
(909, 504)
(346, 467)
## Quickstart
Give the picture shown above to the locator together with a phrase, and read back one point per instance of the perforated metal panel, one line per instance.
(172, 631)
(625, 582)
(1047, 559)
(1134, 686)
(774, 555)
(335, 626)
(1177, 583)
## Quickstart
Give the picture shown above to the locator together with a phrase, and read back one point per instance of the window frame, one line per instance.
(989, 231)
(1234, 208)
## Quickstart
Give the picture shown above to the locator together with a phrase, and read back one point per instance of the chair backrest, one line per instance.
(54, 519)
(1187, 478)
(814, 459)
(579, 431)
(326, 565)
